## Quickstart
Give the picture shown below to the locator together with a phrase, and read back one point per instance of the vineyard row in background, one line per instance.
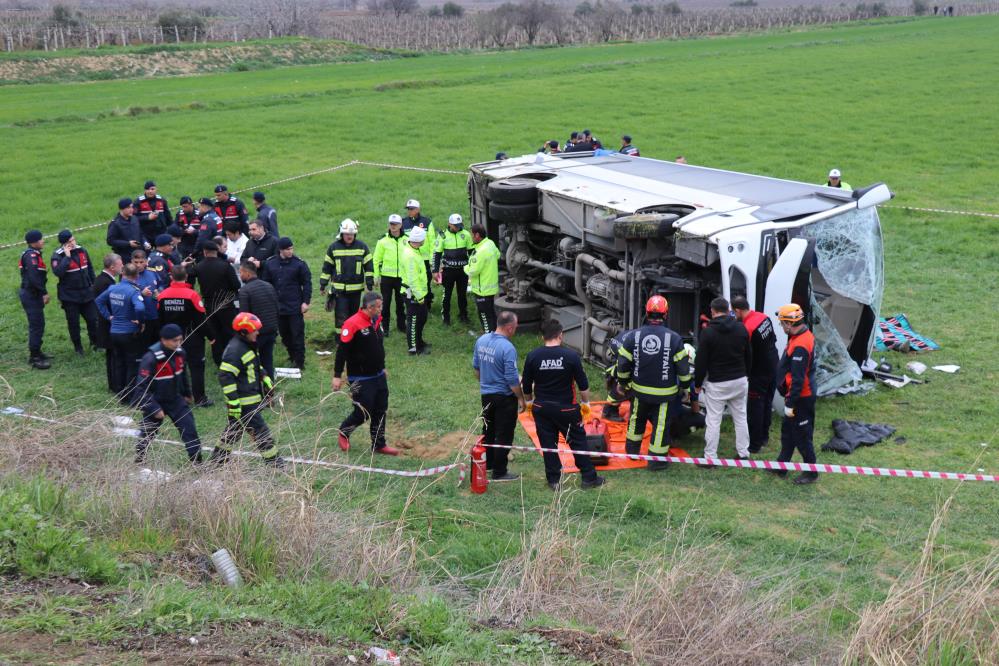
(401, 24)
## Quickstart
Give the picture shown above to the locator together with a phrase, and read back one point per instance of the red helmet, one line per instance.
(246, 322)
(657, 305)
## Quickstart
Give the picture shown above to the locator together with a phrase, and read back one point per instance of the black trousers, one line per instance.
(430, 282)
(180, 413)
(759, 411)
(552, 419)
(73, 313)
(487, 313)
(347, 304)
(391, 288)
(454, 278)
(127, 349)
(796, 433)
(370, 403)
(221, 329)
(265, 349)
(34, 309)
(194, 345)
(499, 414)
(656, 413)
(252, 421)
(416, 319)
(150, 331)
(292, 330)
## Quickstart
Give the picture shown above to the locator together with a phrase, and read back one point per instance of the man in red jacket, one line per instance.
(763, 374)
(180, 304)
(362, 350)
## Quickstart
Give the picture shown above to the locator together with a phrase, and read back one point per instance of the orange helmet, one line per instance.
(246, 322)
(791, 313)
(657, 305)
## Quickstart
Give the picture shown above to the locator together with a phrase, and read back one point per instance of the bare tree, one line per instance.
(531, 15)
(395, 7)
(494, 25)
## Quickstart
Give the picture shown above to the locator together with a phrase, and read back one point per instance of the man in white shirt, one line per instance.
(235, 243)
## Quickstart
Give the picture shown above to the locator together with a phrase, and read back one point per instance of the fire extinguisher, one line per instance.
(480, 479)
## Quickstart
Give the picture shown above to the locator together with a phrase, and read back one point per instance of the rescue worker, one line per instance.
(627, 147)
(388, 273)
(347, 270)
(71, 264)
(652, 362)
(260, 298)
(245, 384)
(161, 260)
(483, 276)
(292, 280)
(762, 375)
(211, 225)
(362, 351)
(615, 395)
(34, 297)
(415, 219)
(724, 359)
(228, 207)
(188, 220)
(179, 304)
(260, 247)
(835, 180)
(149, 285)
(796, 377)
(163, 390)
(266, 214)
(124, 306)
(552, 374)
(218, 285)
(153, 212)
(124, 232)
(417, 288)
(494, 360)
(450, 258)
(107, 279)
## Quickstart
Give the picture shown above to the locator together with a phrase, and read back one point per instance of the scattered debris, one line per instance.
(896, 334)
(382, 656)
(227, 568)
(287, 373)
(146, 475)
(951, 369)
(916, 367)
(851, 434)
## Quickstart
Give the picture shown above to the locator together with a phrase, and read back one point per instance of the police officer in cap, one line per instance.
(292, 281)
(188, 220)
(450, 258)
(34, 297)
(211, 224)
(653, 363)
(228, 207)
(124, 233)
(163, 390)
(266, 213)
(153, 212)
(161, 261)
(71, 264)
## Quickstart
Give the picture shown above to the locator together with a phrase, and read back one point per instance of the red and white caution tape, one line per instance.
(774, 465)
(947, 211)
(135, 434)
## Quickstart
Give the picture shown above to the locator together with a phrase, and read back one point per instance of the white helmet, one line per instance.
(395, 219)
(417, 234)
(412, 203)
(348, 226)
(834, 173)
(455, 219)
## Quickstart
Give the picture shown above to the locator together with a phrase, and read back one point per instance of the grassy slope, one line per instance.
(907, 103)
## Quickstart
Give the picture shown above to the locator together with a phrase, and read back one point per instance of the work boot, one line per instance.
(610, 413)
(657, 465)
(79, 350)
(805, 478)
(39, 363)
(205, 401)
(782, 473)
(43, 355)
(343, 441)
(387, 451)
(386, 331)
(277, 462)
(595, 482)
(198, 459)
(554, 486)
(632, 448)
(425, 351)
(219, 456)
(509, 476)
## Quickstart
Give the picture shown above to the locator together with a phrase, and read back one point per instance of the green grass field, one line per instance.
(909, 103)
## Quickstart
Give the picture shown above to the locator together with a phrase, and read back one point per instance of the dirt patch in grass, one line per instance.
(437, 447)
(598, 648)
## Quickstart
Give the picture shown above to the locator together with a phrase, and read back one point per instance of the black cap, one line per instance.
(185, 199)
(206, 201)
(33, 236)
(174, 231)
(221, 188)
(170, 331)
(163, 239)
(258, 196)
(64, 236)
(553, 144)
(626, 138)
(587, 133)
(124, 203)
(284, 243)
(501, 155)
(149, 183)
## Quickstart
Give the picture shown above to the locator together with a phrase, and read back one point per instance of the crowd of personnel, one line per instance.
(210, 279)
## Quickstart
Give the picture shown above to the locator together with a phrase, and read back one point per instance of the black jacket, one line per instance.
(233, 209)
(189, 226)
(218, 283)
(161, 379)
(242, 377)
(723, 351)
(34, 273)
(653, 362)
(259, 297)
(76, 275)
(292, 280)
(268, 216)
(152, 228)
(120, 232)
(261, 250)
(361, 348)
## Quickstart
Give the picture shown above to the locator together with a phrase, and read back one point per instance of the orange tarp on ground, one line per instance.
(616, 431)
